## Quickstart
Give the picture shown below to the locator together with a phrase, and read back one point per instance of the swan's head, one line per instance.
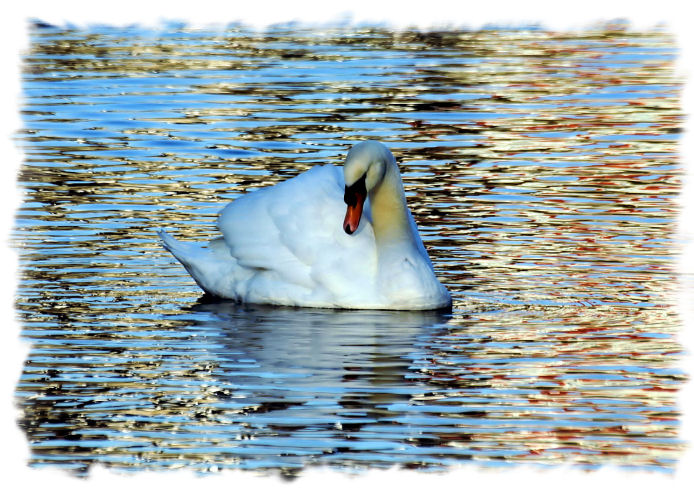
(364, 168)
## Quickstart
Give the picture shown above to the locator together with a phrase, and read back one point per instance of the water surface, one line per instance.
(542, 170)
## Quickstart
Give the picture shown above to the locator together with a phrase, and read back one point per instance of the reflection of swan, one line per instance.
(312, 370)
(284, 245)
(315, 343)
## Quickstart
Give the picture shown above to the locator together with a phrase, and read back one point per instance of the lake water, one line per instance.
(541, 167)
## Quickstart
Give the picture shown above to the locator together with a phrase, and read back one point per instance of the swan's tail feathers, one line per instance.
(182, 251)
(212, 267)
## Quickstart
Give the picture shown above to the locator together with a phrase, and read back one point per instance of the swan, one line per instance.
(289, 244)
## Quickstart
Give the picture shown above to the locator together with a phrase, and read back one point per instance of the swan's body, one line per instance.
(285, 245)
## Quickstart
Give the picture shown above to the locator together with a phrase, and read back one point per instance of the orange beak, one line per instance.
(353, 215)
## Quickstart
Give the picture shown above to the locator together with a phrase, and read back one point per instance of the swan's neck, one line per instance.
(389, 213)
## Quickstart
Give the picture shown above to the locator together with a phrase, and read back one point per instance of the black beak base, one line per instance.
(351, 191)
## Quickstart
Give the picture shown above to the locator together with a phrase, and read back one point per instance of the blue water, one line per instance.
(542, 169)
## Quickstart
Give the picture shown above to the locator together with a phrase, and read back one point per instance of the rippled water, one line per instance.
(542, 169)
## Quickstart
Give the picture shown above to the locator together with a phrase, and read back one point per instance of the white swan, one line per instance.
(289, 244)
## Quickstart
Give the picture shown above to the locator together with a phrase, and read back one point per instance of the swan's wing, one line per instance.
(293, 232)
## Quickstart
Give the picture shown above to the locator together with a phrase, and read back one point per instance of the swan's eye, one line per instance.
(354, 190)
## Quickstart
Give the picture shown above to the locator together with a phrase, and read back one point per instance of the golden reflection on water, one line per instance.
(541, 167)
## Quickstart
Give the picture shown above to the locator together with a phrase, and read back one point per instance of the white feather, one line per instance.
(285, 245)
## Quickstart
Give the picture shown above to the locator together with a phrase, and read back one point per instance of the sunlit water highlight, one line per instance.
(542, 170)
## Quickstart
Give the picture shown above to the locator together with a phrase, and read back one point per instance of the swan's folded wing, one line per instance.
(294, 230)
